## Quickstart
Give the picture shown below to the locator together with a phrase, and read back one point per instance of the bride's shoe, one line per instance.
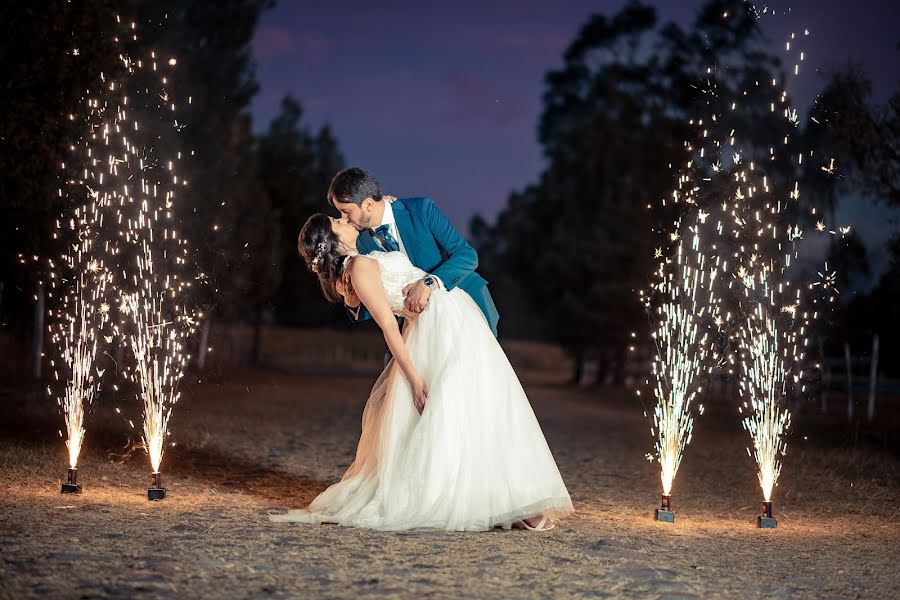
(540, 526)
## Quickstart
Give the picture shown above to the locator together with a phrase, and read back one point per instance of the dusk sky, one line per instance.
(442, 99)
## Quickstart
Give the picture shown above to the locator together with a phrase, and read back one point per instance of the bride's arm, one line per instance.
(366, 280)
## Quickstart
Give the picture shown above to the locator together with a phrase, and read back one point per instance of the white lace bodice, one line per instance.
(396, 273)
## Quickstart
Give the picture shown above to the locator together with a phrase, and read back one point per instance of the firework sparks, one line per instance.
(770, 334)
(160, 360)
(134, 171)
(74, 331)
(78, 283)
(685, 307)
(755, 221)
(763, 382)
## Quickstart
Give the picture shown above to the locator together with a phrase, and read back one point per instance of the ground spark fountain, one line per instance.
(78, 282)
(777, 314)
(685, 308)
(764, 384)
(75, 330)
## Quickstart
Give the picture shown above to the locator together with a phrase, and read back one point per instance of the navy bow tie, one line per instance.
(383, 233)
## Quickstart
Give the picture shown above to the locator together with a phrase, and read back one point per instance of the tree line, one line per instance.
(249, 192)
(569, 252)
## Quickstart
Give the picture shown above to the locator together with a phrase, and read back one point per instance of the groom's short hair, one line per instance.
(353, 185)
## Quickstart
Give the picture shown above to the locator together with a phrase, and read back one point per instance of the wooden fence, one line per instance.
(842, 373)
(850, 376)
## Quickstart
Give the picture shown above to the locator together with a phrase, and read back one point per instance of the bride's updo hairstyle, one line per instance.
(318, 246)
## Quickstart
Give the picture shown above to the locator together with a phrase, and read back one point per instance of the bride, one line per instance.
(449, 440)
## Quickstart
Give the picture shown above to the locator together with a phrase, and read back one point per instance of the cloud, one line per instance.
(273, 41)
(477, 99)
(546, 44)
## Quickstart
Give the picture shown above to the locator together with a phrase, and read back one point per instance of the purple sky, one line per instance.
(442, 99)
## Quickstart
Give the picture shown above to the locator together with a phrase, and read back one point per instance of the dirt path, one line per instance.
(269, 442)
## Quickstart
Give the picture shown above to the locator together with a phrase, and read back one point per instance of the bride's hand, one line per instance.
(420, 393)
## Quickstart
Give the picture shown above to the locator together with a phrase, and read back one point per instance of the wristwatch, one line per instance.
(429, 280)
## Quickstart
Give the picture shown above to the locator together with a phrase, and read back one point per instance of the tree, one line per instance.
(52, 54)
(257, 273)
(57, 51)
(213, 83)
(579, 243)
(296, 167)
(863, 140)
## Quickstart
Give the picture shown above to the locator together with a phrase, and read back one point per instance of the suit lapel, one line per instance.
(405, 228)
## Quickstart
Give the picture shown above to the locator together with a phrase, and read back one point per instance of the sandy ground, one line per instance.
(266, 442)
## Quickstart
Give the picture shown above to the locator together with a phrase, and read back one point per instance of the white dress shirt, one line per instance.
(389, 220)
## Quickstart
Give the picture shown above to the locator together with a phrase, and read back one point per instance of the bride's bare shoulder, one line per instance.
(361, 264)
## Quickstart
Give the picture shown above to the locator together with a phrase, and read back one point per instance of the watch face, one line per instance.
(429, 281)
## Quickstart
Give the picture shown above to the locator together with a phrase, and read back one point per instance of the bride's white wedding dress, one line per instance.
(474, 459)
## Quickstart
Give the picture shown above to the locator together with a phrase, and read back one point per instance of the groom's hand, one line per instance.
(417, 295)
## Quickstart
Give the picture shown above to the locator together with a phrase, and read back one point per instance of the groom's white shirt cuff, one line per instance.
(389, 220)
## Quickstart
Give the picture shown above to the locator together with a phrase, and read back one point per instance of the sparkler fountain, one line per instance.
(768, 422)
(682, 340)
(159, 322)
(78, 284)
(771, 339)
(75, 335)
(160, 361)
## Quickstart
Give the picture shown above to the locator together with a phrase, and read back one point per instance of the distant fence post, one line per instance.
(873, 380)
(826, 377)
(204, 343)
(849, 381)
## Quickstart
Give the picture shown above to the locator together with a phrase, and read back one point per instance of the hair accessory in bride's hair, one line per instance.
(320, 254)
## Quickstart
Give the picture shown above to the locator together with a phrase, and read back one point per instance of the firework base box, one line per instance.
(71, 485)
(666, 516)
(156, 491)
(766, 522)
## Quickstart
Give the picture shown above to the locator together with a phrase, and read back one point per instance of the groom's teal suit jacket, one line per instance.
(436, 247)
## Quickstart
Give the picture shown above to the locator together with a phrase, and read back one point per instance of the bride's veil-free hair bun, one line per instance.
(318, 246)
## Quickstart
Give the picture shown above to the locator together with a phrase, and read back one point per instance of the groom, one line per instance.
(416, 227)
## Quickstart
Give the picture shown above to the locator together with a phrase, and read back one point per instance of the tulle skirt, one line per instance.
(475, 458)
